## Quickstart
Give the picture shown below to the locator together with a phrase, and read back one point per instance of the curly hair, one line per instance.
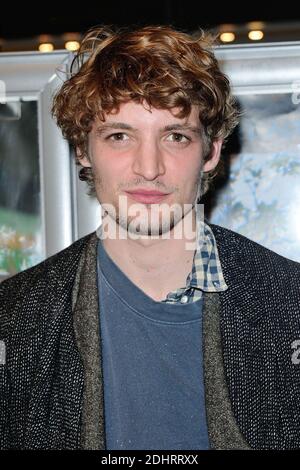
(160, 65)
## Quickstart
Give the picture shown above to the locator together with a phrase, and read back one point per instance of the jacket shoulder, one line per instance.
(54, 263)
(251, 251)
(271, 277)
(50, 277)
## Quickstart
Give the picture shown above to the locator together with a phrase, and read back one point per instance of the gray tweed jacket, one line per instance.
(51, 384)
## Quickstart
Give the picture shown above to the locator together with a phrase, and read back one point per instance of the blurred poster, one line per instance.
(261, 198)
(20, 205)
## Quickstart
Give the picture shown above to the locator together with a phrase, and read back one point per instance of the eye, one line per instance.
(180, 138)
(118, 137)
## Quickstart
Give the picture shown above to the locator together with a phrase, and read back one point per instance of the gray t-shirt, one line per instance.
(152, 366)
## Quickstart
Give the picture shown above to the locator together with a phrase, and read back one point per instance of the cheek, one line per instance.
(106, 179)
(190, 182)
(189, 174)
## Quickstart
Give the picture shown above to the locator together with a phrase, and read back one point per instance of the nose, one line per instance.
(148, 161)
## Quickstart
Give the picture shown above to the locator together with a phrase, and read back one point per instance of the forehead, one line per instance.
(144, 115)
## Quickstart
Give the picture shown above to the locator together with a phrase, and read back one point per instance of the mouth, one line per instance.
(147, 197)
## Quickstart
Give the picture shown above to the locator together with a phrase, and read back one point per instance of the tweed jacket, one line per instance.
(51, 382)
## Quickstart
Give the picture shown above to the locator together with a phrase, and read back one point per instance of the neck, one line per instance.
(160, 264)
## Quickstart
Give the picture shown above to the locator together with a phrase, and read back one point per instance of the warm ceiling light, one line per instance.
(72, 45)
(255, 35)
(46, 47)
(227, 37)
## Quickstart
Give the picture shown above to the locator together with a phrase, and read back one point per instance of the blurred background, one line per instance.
(54, 25)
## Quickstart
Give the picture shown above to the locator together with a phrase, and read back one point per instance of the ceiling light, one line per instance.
(227, 37)
(72, 45)
(255, 35)
(46, 47)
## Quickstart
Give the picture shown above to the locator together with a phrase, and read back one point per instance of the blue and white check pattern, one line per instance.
(206, 274)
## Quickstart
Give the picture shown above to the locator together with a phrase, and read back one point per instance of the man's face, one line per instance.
(137, 149)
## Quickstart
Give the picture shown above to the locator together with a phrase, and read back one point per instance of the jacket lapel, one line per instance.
(223, 430)
(87, 334)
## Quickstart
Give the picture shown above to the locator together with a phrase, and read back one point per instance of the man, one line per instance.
(159, 330)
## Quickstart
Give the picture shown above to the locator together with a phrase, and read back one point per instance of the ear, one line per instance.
(83, 160)
(215, 155)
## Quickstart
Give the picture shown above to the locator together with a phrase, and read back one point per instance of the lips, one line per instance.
(146, 192)
(147, 197)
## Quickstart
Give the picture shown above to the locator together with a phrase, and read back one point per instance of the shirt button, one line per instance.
(216, 283)
(184, 299)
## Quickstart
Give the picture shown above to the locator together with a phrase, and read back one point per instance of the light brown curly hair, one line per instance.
(165, 67)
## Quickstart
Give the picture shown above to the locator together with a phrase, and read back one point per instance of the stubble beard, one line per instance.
(154, 222)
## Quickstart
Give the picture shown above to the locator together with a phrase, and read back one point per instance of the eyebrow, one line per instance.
(170, 127)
